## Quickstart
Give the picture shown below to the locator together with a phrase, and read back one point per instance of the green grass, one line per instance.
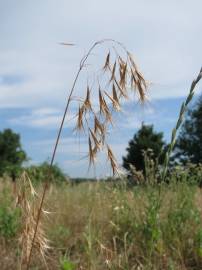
(100, 226)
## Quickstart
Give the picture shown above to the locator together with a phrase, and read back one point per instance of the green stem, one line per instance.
(178, 124)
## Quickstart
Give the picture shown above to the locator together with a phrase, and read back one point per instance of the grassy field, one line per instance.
(107, 226)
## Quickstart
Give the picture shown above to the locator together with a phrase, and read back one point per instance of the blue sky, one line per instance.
(36, 72)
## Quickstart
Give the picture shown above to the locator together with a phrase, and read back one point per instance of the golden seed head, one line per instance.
(122, 73)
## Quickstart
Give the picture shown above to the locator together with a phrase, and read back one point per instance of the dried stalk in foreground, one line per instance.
(27, 201)
(119, 75)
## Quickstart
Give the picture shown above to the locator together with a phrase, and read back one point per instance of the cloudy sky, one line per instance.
(36, 72)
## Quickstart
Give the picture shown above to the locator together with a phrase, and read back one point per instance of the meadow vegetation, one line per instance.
(107, 225)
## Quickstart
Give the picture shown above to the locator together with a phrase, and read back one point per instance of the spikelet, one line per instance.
(113, 72)
(107, 62)
(112, 160)
(87, 103)
(101, 101)
(123, 75)
(141, 91)
(133, 79)
(104, 109)
(79, 125)
(115, 104)
(138, 83)
(122, 91)
(115, 97)
(98, 126)
(132, 62)
(95, 151)
(91, 152)
(95, 140)
(120, 60)
(107, 112)
(141, 79)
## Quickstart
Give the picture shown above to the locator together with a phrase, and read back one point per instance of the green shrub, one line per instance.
(9, 217)
(66, 264)
(40, 173)
(151, 227)
(191, 173)
(198, 240)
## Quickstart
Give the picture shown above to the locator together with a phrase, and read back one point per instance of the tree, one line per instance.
(189, 142)
(11, 154)
(143, 140)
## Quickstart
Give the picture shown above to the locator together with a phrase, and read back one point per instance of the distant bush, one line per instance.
(191, 173)
(39, 173)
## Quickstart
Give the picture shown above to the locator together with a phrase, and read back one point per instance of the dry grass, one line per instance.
(27, 201)
(100, 226)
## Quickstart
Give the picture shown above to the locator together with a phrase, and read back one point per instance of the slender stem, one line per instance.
(178, 124)
(50, 168)
(46, 184)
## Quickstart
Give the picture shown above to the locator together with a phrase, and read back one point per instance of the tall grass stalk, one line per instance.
(119, 73)
(183, 109)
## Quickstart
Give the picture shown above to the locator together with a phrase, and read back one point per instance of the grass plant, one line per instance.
(118, 73)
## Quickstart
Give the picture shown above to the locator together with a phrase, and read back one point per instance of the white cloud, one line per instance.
(43, 118)
(164, 36)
